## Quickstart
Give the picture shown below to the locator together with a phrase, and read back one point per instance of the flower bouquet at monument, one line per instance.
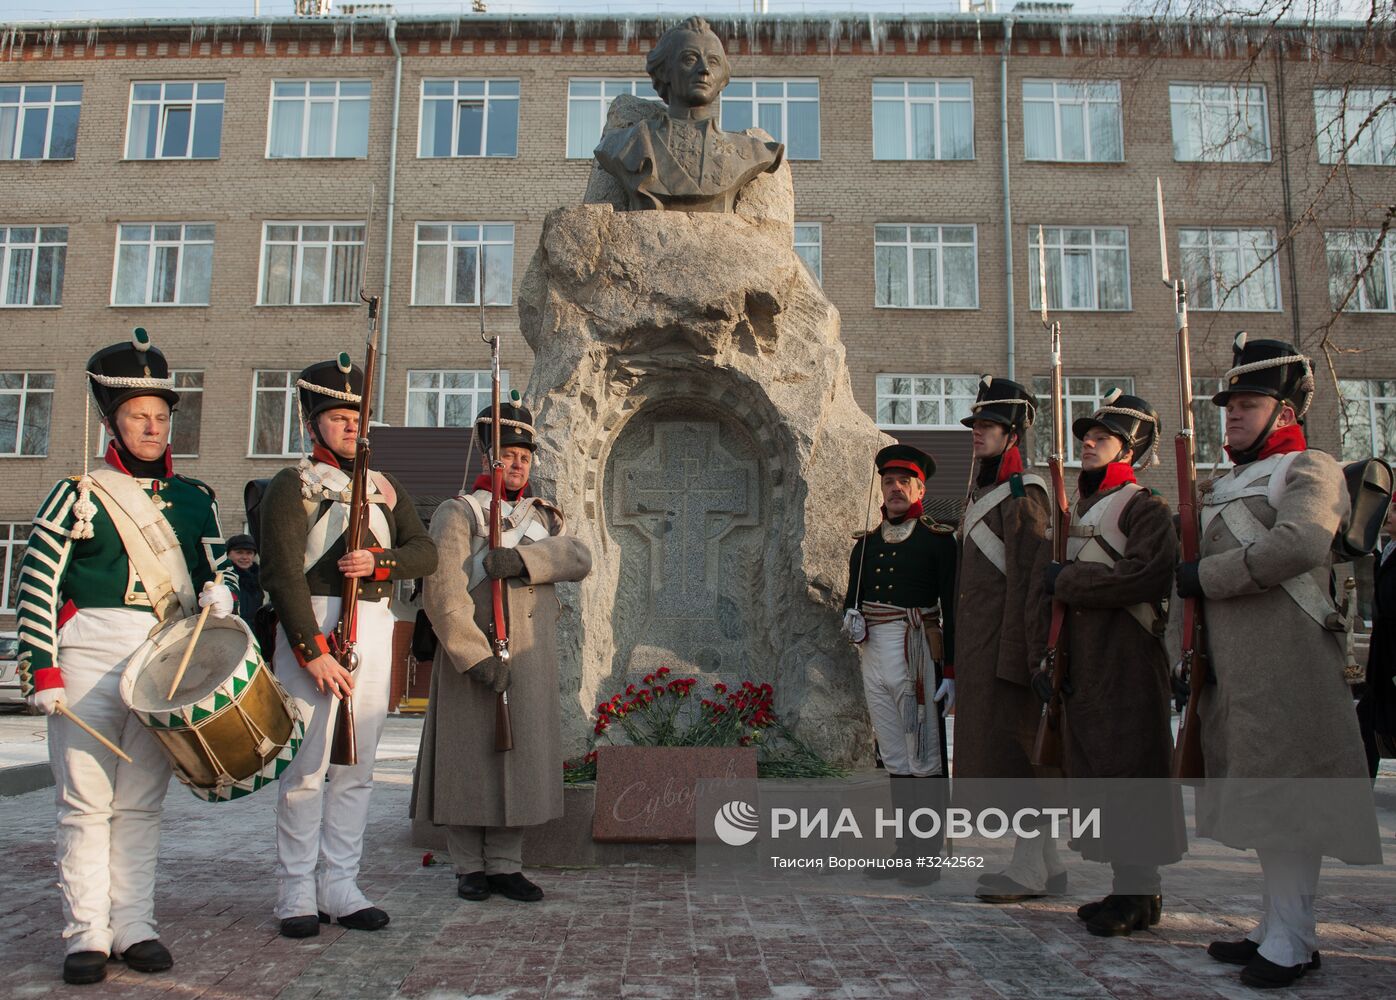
(663, 712)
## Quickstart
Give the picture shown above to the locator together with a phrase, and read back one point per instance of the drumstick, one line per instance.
(71, 716)
(188, 651)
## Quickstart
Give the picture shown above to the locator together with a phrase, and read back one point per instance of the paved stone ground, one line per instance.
(634, 932)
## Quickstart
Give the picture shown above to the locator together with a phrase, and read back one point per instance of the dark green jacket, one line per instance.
(285, 525)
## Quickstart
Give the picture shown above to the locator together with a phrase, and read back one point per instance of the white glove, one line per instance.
(47, 700)
(218, 597)
(854, 626)
(946, 693)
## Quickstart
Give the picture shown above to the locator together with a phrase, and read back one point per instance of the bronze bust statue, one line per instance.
(683, 162)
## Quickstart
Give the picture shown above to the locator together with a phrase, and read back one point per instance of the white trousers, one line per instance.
(1287, 933)
(890, 693)
(315, 816)
(108, 810)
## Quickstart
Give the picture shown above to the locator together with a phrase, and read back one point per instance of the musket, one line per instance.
(1187, 751)
(499, 595)
(343, 641)
(1047, 747)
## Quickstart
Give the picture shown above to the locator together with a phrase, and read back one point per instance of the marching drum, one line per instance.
(230, 728)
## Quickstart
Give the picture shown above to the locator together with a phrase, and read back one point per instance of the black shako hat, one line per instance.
(516, 420)
(905, 458)
(1129, 418)
(1271, 368)
(132, 368)
(241, 542)
(1004, 402)
(330, 385)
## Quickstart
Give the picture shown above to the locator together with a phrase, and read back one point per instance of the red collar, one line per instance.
(482, 482)
(1010, 464)
(1116, 475)
(319, 453)
(1280, 442)
(913, 513)
(113, 458)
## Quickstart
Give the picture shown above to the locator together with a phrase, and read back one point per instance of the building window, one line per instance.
(1356, 123)
(39, 121)
(469, 118)
(1348, 253)
(1369, 418)
(1072, 121)
(449, 398)
(923, 120)
(1082, 395)
(1219, 122)
(809, 247)
(926, 267)
(1233, 270)
(311, 263)
(163, 265)
(318, 118)
(175, 121)
(1208, 425)
(32, 259)
(925, 401)
(14, 537)
(588, 100)
(276, 431)
(184, 422)
(446, 271)
(26, 404)
(787, 109)
(1086, 268)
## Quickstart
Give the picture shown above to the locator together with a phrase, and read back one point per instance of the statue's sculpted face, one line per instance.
(698, 69)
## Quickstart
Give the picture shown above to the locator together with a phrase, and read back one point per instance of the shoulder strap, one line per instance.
(1097, 537)
(1246, 528)
(150, 544)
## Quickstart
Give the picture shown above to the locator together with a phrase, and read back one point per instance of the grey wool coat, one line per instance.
(1280, 708)
(999, 642)
(461, 780)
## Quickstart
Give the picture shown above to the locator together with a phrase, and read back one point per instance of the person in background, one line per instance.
(242, 553)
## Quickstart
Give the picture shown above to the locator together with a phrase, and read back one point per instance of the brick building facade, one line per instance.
(217, 179)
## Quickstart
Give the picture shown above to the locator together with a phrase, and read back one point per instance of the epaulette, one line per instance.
(1015, 485)
(199, 483)
(936, 526)
(1154, 493)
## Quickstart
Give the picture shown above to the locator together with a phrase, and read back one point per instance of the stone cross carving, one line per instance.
(685, 494)
(684, 161)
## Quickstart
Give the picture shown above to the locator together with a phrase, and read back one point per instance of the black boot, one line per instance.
(910, 794)
(1121, 916)
(1088, 910)
(82, 968)
(300, 927)
(148, 956)
(1241, 952)
(1263, 974)
(472, 886)
(370, 918)
(515, 886)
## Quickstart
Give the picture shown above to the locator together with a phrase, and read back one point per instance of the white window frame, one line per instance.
(11, 555)
(300, 244)
(25, 392)
(481, 254)
(18, 110)
(939, 244)
(1088, 99)
(1226, 299)
(1364, 393)
(1057, 249)
(289, 422)
(1196, 100)
(1337, 107)
(935, 102)
(1356, 245)
(637, 84)
(480, 393)
(1042, 390)
(337, 100)
(488, 99)
(1205, 411)
(784, 101)
(153, 243)
(816, 245)
(58, 250)
(954, 400)
(165, 104)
